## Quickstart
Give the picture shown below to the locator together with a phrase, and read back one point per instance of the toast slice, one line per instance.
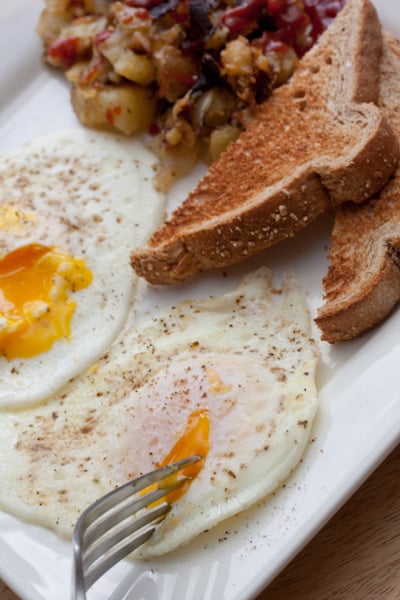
(318, 141)
(362, 285)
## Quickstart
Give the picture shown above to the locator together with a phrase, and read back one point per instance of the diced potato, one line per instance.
(168, 37)
(51, 23)
(238, 66)
(96, 6)
(283, 64)
(220, 138)
(175, 72)
(213, 108)
(180, 133)
(74, 73)
(236, 58)
(136, 67)
(85, 28)
(217, 38)
(58, 5)
(127, 108)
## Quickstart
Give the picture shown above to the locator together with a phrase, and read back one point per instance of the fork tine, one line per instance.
(111, 528)
(127, 538)
(126, 508)
(126, 490)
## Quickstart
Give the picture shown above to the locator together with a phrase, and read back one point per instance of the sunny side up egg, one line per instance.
(72, 206)
(230, 378)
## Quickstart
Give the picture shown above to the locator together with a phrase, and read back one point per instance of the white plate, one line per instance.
(357, 426)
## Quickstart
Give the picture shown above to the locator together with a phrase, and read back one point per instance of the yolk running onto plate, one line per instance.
(35, 307)
(195, 441)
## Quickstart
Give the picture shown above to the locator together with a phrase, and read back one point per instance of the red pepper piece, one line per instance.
(241, 18)
(276, 6)
(64, 51)
(321, 13)
(102, 36)
(147, 4)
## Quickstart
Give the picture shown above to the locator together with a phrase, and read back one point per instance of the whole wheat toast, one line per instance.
(362, 285)
(317, 142)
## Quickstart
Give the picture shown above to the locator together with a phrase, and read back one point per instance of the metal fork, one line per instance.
(118, 523)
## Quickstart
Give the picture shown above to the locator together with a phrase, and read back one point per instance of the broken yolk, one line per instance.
(35, 307)
(195, 441)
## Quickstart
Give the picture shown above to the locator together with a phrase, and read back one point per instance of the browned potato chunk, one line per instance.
(96, 6)
(50, 24)
(136, 67)
(127, 108)
(175, 72)
(74, 73)
(220, 138)
(58, 5)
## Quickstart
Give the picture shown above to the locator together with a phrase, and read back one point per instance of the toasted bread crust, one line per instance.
(287, 212)
(314, 144)
(363, 311)
(362, 285)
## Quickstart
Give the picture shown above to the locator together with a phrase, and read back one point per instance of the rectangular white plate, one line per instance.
(357, 426)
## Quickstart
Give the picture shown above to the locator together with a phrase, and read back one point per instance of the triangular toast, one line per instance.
(317, 142)
(363, 281)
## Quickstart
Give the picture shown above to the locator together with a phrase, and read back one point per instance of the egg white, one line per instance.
(122, 418)
(91, 195)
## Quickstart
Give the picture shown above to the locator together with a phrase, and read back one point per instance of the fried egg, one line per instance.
(229, 378)
(72, 206)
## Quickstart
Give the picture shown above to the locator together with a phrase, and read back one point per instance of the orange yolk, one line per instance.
(35, 309)
(195, 441)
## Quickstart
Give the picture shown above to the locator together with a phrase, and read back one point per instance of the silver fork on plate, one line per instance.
(118, 523)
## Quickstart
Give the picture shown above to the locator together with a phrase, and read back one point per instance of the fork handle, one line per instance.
(78, 586)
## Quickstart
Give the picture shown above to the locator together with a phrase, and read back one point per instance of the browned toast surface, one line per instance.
(363, 281)
(317, 141)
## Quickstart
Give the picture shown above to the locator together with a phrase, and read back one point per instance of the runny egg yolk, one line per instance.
(195, 441)
(35, 307)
